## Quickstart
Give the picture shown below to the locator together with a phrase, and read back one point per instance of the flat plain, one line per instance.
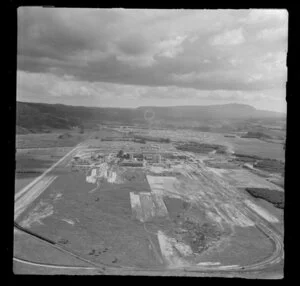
(173, 214)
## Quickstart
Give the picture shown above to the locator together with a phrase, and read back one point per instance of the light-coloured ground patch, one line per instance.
(218, 171)
(162, 185)
(167, 246)
(112, 176)
(236, 216)
(184, 249)
(160, 207)
(32, 193)
(262, 212)
(157, 169)
(242, 178)
(136, 206)
(41, 211)
(57, 196)
(69, 221)
(92, 178)
(214, 217)
(208, 263)
(103, 171)
(223, 267)
(146, 206)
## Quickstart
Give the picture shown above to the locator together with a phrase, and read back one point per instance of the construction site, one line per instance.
(148, 206)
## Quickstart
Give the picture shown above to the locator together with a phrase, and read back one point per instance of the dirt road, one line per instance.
(221, 197)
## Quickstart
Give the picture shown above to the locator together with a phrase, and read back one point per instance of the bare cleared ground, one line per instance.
(206, 221)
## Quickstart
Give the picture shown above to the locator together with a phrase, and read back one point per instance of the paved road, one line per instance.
(33, 190)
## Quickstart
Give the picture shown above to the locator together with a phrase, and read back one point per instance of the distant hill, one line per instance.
(224, 111)
(40, 116)
(35, 117)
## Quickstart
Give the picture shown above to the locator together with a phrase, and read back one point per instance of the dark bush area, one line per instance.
(272, 196)
(264, 164)
(64, 136)
(246, 158)
(201, 147)
(202, 128)
(151, 139)
(270, 165)
(258, 135)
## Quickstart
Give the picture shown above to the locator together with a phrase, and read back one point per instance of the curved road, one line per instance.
(276, 257)
(261, 224)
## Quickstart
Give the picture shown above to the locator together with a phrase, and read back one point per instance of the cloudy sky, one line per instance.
(129, 58)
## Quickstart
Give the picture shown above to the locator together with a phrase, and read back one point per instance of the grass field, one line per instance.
(35, 153)
(48, 140)
(97, 222)
(31, 163)
(247, 146)
(97, 225)
(257, 147)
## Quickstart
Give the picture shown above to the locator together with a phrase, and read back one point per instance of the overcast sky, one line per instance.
(129, 58)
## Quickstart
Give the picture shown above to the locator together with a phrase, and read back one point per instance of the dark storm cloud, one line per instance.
(131, 47)
(133, 44)
(196, 51)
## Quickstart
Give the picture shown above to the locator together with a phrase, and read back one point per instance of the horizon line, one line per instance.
(89, 106)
